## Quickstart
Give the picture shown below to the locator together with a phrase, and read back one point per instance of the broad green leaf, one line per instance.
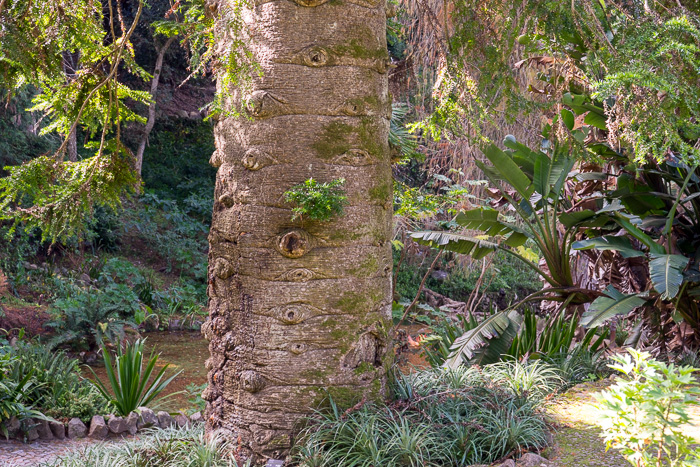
(567, 116)
(666, 272)
(509, 171)
(603, 308)
(596, 120)
(484, 219)
(634, 231)
(486, 342)
(571, 219)
(609, 242)
(541, 178)
(463, 244)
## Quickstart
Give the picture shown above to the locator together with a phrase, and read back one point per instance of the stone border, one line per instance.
(100, 427)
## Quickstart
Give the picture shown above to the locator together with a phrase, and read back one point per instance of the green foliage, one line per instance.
(486, 342)
(179, 238)
(441, 417)
(129, 386)
(12, 393)
(56, 385)
(641, 415)
(532, 183)
(556, 337)
(317, 201)
(171, 447)
(91, 317)
(71, 53)
(194, 391)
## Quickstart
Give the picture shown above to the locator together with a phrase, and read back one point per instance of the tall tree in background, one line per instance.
(300, 309)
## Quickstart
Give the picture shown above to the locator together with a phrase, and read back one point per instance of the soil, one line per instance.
(16, 315)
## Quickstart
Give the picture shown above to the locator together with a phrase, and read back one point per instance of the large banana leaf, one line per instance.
(603, 308)
(487, 342)
(486, 220)
(666, 272)
(509, 171)
(475, 247)
(609, 242)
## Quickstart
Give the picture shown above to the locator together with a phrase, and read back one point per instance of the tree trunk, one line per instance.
(152, 107)
(301, 309)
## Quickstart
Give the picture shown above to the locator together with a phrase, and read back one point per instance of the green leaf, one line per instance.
(603, 308)
(567, 116)
(509, 171)
(463, 244)
(571, 219)
(484, 219)
(609, 242)
(596, 120)
(666, 272)
(486, 342)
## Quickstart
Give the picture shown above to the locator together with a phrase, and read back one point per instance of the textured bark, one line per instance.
(298, 308)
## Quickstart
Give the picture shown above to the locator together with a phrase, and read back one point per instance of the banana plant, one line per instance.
(533, 184)
(667, 238)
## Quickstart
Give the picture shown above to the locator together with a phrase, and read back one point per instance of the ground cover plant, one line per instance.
(172, 447)
(439, 417)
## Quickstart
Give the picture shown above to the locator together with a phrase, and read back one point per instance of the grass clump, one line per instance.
(172, 447)
(439, 417)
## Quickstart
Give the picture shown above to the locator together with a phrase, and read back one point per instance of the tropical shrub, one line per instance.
(12, 393)
(643, 413)
(440, 417)
(129, 379)
(88, 319)
(56, 385)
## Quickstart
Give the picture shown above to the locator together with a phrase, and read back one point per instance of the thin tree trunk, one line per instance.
(152, 107)
(300, 311)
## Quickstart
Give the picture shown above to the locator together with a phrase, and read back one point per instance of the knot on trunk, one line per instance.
(298, 275)
(294, 244)
(223, 268)
(315, 56)
(252, 381)
(354, 157)
(291, 314)
(255, 159)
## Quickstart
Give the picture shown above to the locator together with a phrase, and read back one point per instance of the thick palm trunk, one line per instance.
(298, 308)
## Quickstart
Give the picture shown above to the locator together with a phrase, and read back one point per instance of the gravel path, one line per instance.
(14, 453)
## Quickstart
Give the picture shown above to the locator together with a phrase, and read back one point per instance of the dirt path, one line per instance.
(577, 440)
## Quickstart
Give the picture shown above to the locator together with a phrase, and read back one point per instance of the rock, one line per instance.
(12, 426)
(98, 427)
(508, 463)
(43, 428)
(132, 423)
(164, 419)
(196, 418)
(117, 425)
(58, 430)
(181, 420)
(531, 459)
(147, 418)
(274, 463)
(32, 434)
(76, 428)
